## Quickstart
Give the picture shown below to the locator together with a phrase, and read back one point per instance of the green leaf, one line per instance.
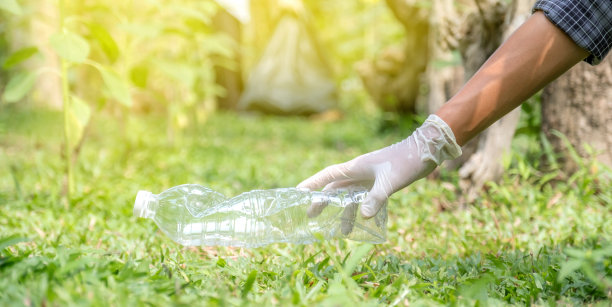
(569, 268)
(140, 75)
(314, 290)
(19, 56)
(106, 41)
(70, 47)
(538, 280)
(355, 257)
(248, 284)
(570, 148)
(117, 87)
(603, 252)
(78, 117)
(589, 272)
(575, 253)
(221, 262)
(11, 240)
(185, 11)
(81, 110)
(11, 6)
(19, 86)
(220, 44)
(142, 30)
(477, 289)
(181, 72)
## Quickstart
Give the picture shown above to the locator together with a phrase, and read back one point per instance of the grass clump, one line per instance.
(535, 238)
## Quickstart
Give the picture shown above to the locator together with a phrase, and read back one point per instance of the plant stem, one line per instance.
(66, 106)
(67, 149)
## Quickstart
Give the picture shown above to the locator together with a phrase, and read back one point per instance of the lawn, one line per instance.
(538, 237)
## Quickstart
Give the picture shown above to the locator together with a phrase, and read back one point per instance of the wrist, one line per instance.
(436, 141)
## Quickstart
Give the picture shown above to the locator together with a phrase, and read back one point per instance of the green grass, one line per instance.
(538, 237)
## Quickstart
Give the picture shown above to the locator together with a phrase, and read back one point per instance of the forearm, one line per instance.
(537, 53)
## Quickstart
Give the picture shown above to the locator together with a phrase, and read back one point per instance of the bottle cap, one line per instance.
(140, 205)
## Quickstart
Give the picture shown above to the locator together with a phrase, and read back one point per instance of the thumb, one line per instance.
(375, 199)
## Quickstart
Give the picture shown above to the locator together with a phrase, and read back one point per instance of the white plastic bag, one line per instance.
(292, 76)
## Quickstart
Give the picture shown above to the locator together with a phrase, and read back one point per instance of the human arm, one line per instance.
(537, 53)
(534, 55)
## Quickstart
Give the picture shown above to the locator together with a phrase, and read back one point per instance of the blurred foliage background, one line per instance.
(165, 51)
(163, 57)
(102, 99)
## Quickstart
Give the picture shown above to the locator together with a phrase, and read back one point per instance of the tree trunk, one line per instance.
(492, 23)
(476, 36)
(579, 105)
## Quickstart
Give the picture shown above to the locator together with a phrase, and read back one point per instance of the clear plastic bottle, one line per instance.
(194, 215)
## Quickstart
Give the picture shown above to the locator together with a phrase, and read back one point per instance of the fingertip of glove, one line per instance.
(314, 210)
(310, 213)
(368, 209)
(366, 214)
(303, 186)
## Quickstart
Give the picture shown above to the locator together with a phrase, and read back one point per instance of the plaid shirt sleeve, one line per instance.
(587, 22)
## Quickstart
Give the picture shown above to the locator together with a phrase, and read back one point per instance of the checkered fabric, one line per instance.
(587, 22)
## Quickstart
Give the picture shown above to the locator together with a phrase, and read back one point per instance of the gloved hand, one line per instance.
(389, 169)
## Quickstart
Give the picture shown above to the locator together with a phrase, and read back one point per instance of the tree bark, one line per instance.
(439, 30)
(579, 105)
(492, 23)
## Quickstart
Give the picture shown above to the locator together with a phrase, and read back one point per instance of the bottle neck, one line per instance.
(144, 206)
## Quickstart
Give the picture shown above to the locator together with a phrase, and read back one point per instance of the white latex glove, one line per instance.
(389, 169)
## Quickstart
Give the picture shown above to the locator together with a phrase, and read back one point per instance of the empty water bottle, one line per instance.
(191, 215)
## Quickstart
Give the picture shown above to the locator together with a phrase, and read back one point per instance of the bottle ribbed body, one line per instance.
(194, 215)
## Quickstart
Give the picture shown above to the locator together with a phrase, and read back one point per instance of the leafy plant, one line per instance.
(145, 49)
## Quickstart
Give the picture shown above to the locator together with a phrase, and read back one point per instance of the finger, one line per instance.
(326, 176)
(316, 208)
(353, 184)
(347, 221)
(371, 205)
(375, 199)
